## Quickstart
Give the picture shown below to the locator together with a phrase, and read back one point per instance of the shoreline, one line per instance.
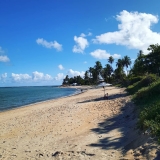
(83, 126)
(39, 102)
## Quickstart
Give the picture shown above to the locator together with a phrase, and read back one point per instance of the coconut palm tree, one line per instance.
(108, 70)
(120, 63)
(127, 62)
(86, 77)
(119, 70)
(91, 73)
(111, 60)
(98, 70)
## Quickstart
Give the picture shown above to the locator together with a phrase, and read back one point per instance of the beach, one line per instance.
(83, 126)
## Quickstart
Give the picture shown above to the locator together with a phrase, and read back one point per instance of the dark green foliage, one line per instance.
(146, 81)
(149, 119)
(134, 79)
(146, 94)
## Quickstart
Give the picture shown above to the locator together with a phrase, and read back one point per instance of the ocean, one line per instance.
(13, 97)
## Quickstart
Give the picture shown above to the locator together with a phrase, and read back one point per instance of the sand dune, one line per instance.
(83, 126)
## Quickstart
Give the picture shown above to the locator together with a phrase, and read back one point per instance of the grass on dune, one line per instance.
(146, 94)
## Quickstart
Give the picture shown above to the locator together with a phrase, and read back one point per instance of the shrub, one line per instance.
(133, 80)
(150, 119)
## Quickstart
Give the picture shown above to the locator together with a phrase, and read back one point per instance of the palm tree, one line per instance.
(98, 70)
(119, 70)
(91, 70)
(120, 63)
(111, 60)
(127, 62)
(86, 77)
(108, 70)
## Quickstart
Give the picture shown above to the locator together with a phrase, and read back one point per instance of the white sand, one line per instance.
(83, 126)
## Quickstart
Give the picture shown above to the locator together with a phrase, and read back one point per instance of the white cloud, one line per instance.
(3, 77)
(89, 34)
(102, 54)
(36, 77)
(60, 67)
(85, 35)
(3, 58)
(134, 31)
(82, 35)
(39, 76)
(46, 44)
(48, 77)
(81, 44)
(59, 77)
(73, 73)
(20, 77)
(85, 62)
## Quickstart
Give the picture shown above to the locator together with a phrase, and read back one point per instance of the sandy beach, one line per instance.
(83, 126)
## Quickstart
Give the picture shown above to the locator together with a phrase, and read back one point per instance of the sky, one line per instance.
(42, 41)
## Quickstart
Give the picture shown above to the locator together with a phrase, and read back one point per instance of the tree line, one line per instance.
(144, 64)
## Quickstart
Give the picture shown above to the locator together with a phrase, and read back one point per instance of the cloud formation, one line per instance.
(102, 54)
(60, 67)
(73, 73)
(134, 31)
(36, 77)
(60, 76)
(81, 43)
(85, 35)
(50, 45)
(39, 76)
(3, 77)
(20, 77)
(3, 58)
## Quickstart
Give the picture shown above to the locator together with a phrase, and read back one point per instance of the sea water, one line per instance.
(13, 97)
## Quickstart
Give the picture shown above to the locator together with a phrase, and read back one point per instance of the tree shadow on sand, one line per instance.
(119, 131)
(111, 97)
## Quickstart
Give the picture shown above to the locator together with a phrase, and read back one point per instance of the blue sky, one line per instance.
(43, 41)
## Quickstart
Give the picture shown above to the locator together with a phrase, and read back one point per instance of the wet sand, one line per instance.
(83, 126)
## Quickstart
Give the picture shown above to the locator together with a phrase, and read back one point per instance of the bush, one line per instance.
(133, 80)
(146, 81)
(149, 119)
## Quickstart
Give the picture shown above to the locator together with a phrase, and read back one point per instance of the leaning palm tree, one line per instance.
(111, 60)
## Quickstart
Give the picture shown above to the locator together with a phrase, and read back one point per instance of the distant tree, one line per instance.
(108, 71)
(66, 80)
(120, 63)
(86, 77)
(111, 60)
(97, 71)
(91, 73)
(127, 62)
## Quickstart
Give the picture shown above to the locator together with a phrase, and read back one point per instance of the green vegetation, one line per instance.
(142, 81)
(94, 74)
(146, 94)
(144, 85)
